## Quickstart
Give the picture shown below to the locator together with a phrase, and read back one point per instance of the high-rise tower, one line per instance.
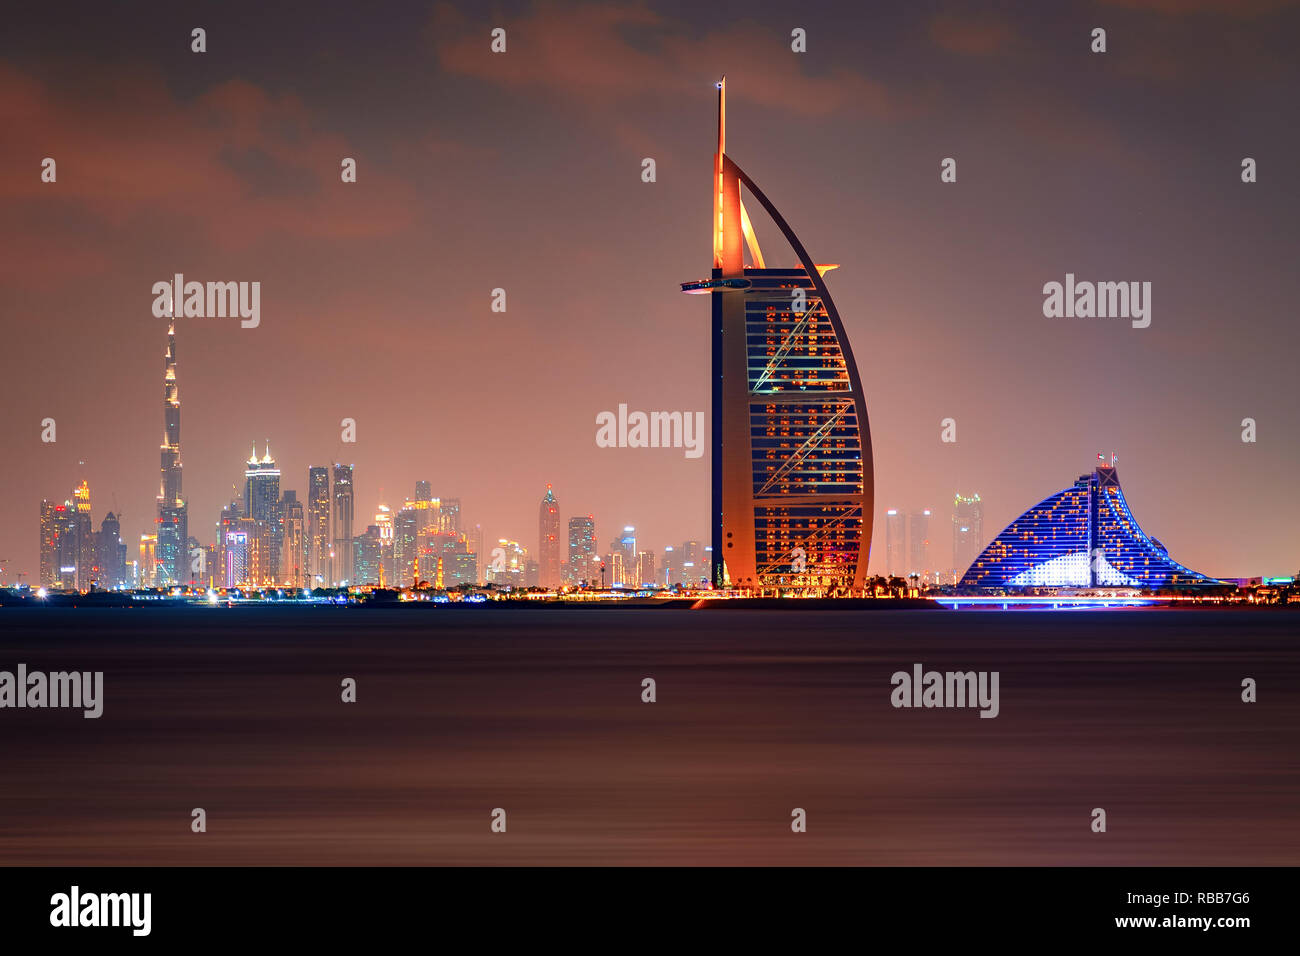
(51, 527)
(548, 541)
(967, 531)
(261, 486)
(793, 485)
(110, 553)
(87, 570)
(173, 521)
(293, 541)
(451, 516)
(895, 543)
(582, 549)
(319, 573)
(918, 534)
(262, 504)
(343, 514)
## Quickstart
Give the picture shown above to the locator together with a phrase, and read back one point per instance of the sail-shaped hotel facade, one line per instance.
(792, 480)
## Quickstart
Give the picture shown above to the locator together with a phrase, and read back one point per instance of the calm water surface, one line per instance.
(539, 712)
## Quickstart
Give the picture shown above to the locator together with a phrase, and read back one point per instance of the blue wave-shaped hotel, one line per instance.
(1084, 536)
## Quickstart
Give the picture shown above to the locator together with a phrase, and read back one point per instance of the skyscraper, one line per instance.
(582, 548)
(474, 541)
(48, 544)
(258, 538)
(173, 532)
(231, 515)
(895, 544)
(211, 569)
(62, 554)
(430, 545)
(367, 553)
(792, 465)
(617, 571)
(645, 568)
(149, 567)
(967, 531)
(451, 515)
(262, 504)
(692, 563)
(428, 510)
(515, 572)
(319, 572)
(919, 534)
(670, 569)
(235, 551)
(50, 525)
(384, 522)
(343, 573)
(405, 535)
(85, 549)
(415, 523)
(548, 541)
(261, 486)
(293, 541)
(110, 553)
(625, 545)
(458, 564)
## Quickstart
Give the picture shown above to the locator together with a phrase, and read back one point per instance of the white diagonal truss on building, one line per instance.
(810, 444)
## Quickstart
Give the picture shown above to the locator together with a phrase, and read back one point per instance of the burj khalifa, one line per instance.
(173, 525)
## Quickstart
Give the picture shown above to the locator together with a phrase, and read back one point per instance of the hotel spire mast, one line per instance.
(717, 173)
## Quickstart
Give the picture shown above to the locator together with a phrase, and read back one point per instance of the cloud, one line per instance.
(972, 36)
(586, 55)
(1242, 9)
(236, 165)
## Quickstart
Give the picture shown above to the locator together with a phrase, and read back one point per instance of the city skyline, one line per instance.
(325, 533)
(377, 295)
(392, 479)
(256, 505)
(266, 537)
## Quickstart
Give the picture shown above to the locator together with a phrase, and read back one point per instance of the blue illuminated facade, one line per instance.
(1084, 536)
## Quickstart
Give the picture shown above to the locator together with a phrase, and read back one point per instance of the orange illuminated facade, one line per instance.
(792, 481)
